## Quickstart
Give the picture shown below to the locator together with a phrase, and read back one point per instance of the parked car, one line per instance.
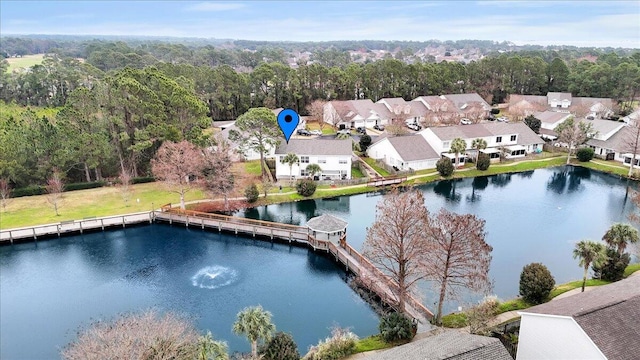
(379, 127)
(303, 132)
(344, 131)
(414, 127)
(316, 132)
(361, 130)
(503, 119)
(466, 122)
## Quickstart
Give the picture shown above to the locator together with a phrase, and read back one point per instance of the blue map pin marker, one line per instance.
(288, 121)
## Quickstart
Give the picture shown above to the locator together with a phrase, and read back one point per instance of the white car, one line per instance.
(316, 132)
(503, 119)
(466, 122)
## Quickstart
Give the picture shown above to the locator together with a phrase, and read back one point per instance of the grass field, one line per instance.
(34, 210)
(24, 62)
(372, 163)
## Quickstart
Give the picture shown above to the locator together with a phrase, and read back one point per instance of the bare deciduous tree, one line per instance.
(218, 178)
(574, 133)
(395, 243)
(175, 164)
(632, 143)
(54, 188)
(480, 316)
(125, 187)
(458, 257)
(475, 112)
(316, 112)
(5, 193)
(143, 336)
(522, 109)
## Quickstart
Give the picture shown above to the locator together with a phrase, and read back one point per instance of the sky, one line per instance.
(579, 23)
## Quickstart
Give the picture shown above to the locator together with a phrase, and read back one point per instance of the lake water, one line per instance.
(52, 287)
(49, 288)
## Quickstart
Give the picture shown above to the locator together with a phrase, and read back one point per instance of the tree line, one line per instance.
(106, 121)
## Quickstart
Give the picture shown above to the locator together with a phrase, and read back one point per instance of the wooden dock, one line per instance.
(386, 181)
(368, 275)
(73, 227)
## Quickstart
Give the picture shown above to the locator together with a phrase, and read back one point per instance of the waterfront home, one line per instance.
(597, 324)
(333, 156)
(515, 140)
(613, 141)
(410, 152)
(549, 120)
(355, 113)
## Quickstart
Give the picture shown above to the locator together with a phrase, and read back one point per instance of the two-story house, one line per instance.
(355, 113)
(333, 157)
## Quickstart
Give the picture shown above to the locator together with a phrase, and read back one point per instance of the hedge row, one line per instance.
(32, 190)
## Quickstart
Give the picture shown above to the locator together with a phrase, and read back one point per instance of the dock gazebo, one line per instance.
(328, 227)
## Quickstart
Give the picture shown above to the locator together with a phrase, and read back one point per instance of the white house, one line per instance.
(549, 120)
(515, 140)
(613, 141)
(404, 152)
(559, 100)
(597, 324)
(355, 113)
(333, 157)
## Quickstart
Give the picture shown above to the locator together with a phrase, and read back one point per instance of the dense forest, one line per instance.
(112, 103)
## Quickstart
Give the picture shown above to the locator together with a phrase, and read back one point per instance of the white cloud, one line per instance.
(215, 6)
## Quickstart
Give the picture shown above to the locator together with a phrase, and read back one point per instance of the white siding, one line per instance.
(330, 167)
(554, 337)
(385, 151)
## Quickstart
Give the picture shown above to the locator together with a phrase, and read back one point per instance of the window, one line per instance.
(322, 161)
(281, 158)
(304, 159)
(445, 144)
(499, 139)
(304, 172)
(342, 161)
(513, 138)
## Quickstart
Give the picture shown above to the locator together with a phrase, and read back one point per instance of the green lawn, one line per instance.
(374, 342)
(631, 269)
(105, 201)
(500, 168)
(326, 128)
(356, 172)
(610, 167)
(454, 320)
(372, 163)
(563, 288)
(24, 62)
(253, 167)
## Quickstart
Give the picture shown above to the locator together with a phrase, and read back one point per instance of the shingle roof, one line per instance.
(326, 223)
(348, 109)
(609, 315)
(413, 147)
(462, 99)
(603, 127)
(559, 96)
(316, 147)
(550, 117)
(526, 136)
(621, 142)
(448, 344)
(475, 130)
(515, 98)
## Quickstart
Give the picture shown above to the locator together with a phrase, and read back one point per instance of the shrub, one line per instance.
(252, 193)
(585, 154)
(29, 191)
(536, 283)
(483, 162)
(365, 141)
(84, 185)
(280, 347)
(480, 315)
(612, 269)
(395, 327)
(444, 167)
(142, 179)
(342, 343)
(306, 187)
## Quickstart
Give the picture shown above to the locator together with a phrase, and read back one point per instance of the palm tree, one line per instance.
(619, 235)
(290, 159)
(458, 146)
(210, 349)
(255, 323)
(313, 169)
(478, 144)
(588, 252)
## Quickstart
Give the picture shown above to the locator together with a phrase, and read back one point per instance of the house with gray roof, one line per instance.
(332, 155)
(500, 137)
(598, 324)
(407, 111)
(410, 152)
(559, 100)
(464, 101)
(446, 345)
(355, 113)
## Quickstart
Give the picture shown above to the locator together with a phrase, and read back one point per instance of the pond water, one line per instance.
(534, 216)
(49, 288)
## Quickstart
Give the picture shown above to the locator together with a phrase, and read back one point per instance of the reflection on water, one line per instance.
(214, 277)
